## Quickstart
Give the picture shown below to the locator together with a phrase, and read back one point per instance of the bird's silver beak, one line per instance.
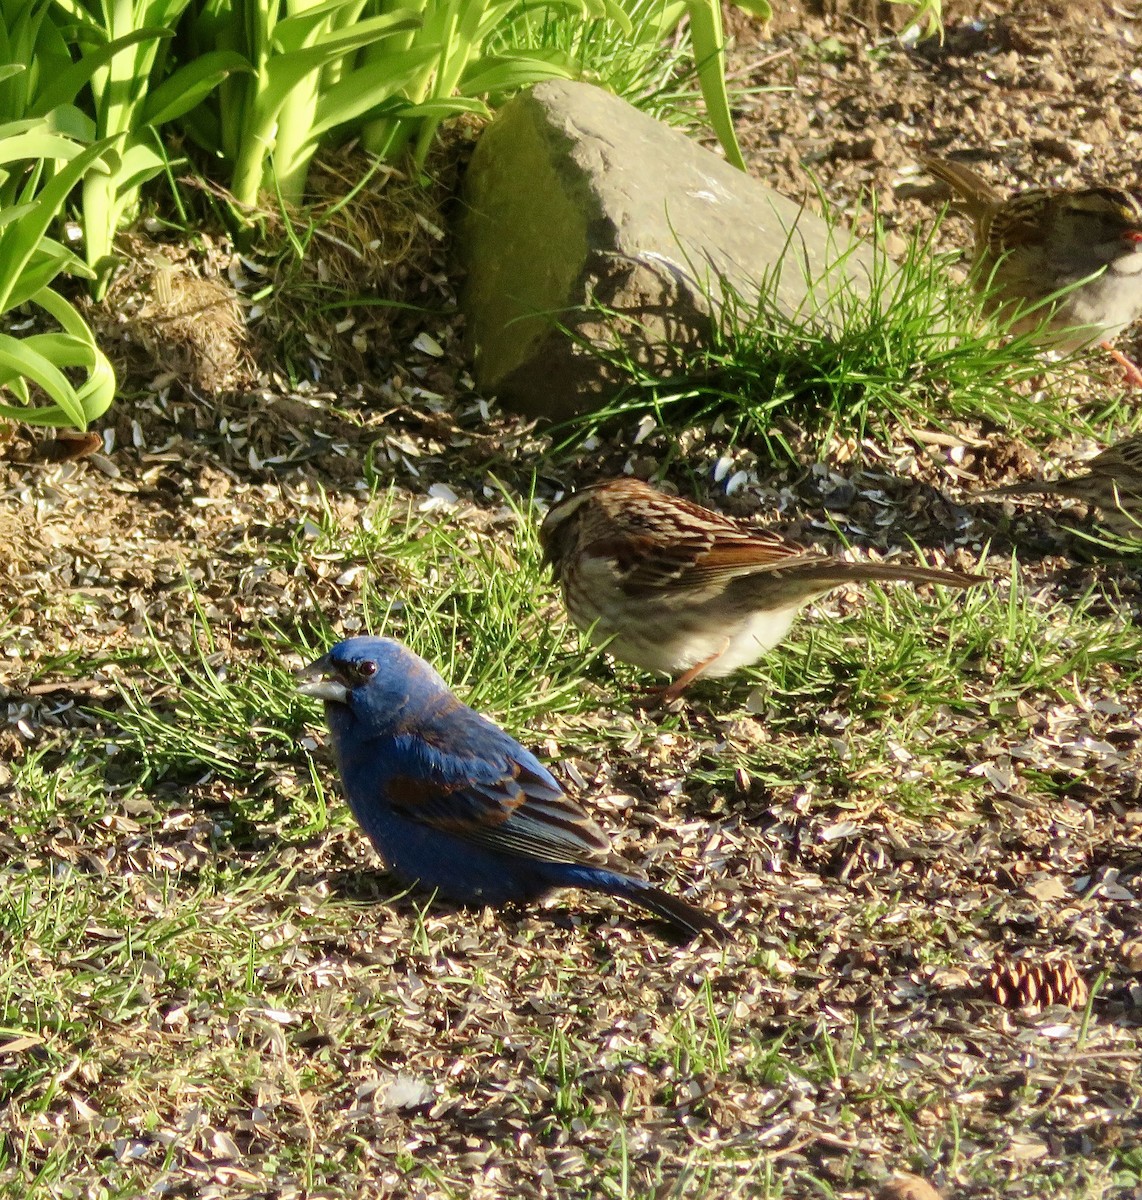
(317, 681)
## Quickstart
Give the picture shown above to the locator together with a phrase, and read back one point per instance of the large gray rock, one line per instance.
(573, 200)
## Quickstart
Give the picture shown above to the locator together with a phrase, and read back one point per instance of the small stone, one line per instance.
(908, 1187)
(1057, 147)
(870, 147)
(894, 245)
(1051, 80)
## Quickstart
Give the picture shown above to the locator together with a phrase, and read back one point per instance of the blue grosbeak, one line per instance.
(450, 800)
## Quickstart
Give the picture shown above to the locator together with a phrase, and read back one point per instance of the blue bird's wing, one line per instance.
(504, 803)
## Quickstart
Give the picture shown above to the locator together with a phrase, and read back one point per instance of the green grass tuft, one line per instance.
(913, 349)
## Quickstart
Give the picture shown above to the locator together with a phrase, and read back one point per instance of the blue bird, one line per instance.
(453, 802)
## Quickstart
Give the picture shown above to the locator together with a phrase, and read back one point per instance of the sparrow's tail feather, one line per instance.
(978, 197)
(1030, 487)
(831, 576)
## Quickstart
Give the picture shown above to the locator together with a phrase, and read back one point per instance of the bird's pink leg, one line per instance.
(671, 692)
(1133, 373)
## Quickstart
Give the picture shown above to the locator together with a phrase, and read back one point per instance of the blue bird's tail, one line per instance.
(679, 913)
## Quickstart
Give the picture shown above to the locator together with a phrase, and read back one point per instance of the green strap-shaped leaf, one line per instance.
(65, 258)
(15, 128)
(756, 8)
(296, 30)
(138, 163)
(39, 358)
(18, 241)
(71, 122)
(665, 19)
(297, 36)
(446, 106)
(612, 10)
(63, 312)
(71, 81)
(17, 357)
(13, 213)
(35, 276)
(709, 56)
(38, 145)
(98, 393)
(284, 72)
(368, 87)
(190, 85)
(48, 261)
(510, 73)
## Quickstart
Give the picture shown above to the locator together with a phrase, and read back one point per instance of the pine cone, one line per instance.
(1024, 983)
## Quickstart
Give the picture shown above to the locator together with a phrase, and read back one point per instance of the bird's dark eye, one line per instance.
(367, 669)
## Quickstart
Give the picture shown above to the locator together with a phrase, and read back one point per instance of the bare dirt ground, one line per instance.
(215, 454)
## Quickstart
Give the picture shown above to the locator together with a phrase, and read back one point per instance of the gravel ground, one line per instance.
(850, 1031)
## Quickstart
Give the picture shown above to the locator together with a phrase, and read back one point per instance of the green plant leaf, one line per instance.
(70, 121)
(190, 85)
(491, 75)
(18, 241)
(71, 81)
(63, 256)
(39, 358)
(14, 212)
(292, 34)
(614, 11)
(284, 72)
(38, 145)
(709, 55)
(293, 31)
(364, 89)
(47, 261)
(139, 162)
(19, 358)
(928, 17)
(446, 106)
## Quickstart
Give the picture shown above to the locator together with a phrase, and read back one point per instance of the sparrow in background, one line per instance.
(1112, 483)
(1037, 242)
(676, 588)
(453, 802)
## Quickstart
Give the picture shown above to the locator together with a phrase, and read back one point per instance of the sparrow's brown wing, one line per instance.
(657, 544)
(661, 542)
(1020, 222)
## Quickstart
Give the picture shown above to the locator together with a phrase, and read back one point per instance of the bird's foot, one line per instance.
(669, 696)
(1130, 369)
(665, 698)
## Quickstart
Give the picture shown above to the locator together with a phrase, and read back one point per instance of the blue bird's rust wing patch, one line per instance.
(521, 812)
(455, 807)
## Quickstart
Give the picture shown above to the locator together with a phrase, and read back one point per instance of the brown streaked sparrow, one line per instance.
(1039, 241)
(676, 588)
(1112, 483)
